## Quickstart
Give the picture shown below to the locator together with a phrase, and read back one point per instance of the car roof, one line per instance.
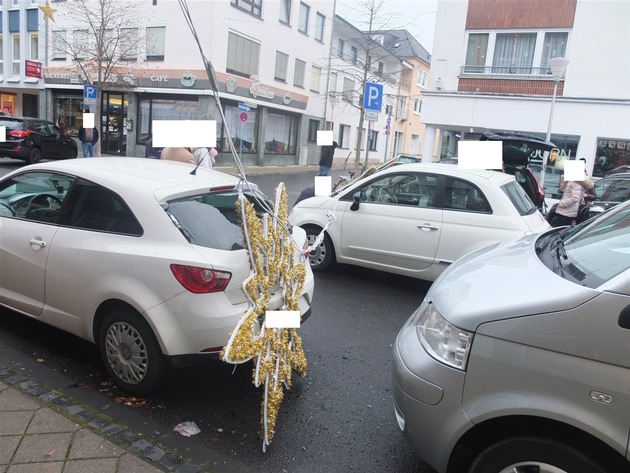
(132, 175)
(444, 168)
(617, 175)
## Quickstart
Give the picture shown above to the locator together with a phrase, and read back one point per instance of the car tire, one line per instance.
(533, 454)
(72, 154)
(131, 353)
(34, 157)
(323, 255)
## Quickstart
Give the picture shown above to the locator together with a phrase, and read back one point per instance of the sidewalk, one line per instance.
(43, 432)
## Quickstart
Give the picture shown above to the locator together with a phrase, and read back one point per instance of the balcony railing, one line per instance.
(520, 71)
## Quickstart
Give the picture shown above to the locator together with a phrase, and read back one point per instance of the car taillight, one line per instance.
(200, 280)
(19, 133)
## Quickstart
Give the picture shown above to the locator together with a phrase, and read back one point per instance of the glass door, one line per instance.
(113, 121)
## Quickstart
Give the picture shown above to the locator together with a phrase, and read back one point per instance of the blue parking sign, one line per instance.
(373, 96)
(89, 92)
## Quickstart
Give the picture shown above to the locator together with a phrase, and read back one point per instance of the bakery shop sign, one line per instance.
(260, 91)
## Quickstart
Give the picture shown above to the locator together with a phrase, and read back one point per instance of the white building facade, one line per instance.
(269, 57)
(490, 72)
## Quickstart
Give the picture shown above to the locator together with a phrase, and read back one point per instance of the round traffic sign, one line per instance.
(243, 116)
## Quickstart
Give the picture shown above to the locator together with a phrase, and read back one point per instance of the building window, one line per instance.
(34, 47)
(344, 136)
(348, 90)
(81, 42)
(149, 109)
(316, 76)
(59, 44)
(250, 6)
(313, 127)
(243, 134)
(422, 79)
(320, 21)
(243, 56)
(1, 55)
(514, 53)
(372, 140)
(15, 52)
(340, 48)
(305, 10)
(402, 108)
(156, 43)
(332, 86)
(280, 133)
(299, 72)
(555, 45)
(354, 55)
(285, 11)
(417, 106)
(128, 42)
(282, 65)
(476, 53)
(381, 68)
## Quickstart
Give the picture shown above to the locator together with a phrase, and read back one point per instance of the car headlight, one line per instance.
(443, 341)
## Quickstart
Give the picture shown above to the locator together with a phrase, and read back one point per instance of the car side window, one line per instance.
(93, 207)
(462, 195)
(37, 196)
(620, 191)
(412, 189)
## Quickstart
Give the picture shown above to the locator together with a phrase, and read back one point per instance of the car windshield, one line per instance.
(598, 250)
(211, 219)
(519, 198)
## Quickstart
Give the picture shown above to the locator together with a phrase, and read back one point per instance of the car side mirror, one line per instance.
(356, 200)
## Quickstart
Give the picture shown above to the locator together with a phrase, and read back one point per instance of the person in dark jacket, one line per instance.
(326, 160)
(88, 138)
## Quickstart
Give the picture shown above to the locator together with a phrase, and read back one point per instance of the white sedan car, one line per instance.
(416, 219)
(137, 255)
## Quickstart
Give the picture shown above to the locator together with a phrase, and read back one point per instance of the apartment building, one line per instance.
(392, 58)
(269, 57)
(20, 52)
(490, 72)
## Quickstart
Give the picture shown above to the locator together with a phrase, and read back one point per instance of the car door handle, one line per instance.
(427, 227)
(36, 242)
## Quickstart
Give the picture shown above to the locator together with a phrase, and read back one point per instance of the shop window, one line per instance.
(149, 109)
(243, 56)
(313, 126)
(243, 134)
(281, 133)
(611, 153)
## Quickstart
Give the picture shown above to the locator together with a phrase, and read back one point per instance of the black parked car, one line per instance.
(33, 139)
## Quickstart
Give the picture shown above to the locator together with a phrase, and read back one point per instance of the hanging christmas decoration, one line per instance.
(276, 352)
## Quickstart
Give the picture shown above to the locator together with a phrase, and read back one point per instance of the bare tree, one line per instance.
(105, 41)
(369, 18)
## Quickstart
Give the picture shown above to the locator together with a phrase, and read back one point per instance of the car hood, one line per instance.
(312, 202)
(500, 282)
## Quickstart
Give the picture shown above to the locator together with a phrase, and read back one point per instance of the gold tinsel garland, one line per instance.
(277, 351)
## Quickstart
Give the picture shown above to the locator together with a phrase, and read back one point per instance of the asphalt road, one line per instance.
(337, 418)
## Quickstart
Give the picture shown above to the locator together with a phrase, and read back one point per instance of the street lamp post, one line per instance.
(558, 67)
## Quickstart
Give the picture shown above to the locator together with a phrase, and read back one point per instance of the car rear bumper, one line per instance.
(191, 324)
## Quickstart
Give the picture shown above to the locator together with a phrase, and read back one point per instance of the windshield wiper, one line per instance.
(559, 254)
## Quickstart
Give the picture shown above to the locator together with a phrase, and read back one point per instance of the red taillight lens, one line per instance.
(19, 133)
(200, 280)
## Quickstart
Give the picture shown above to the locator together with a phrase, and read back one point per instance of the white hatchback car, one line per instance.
(137, 255)
(416, 219)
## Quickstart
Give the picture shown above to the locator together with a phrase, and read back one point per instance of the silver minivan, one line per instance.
(518, 359)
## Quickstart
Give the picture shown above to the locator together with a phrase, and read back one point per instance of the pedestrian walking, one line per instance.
(573, 193)
(326, 159)
(88, 138)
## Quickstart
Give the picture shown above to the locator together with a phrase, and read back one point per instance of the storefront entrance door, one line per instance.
(114, 118)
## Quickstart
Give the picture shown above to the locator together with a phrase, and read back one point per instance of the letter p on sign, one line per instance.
(373, 96)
